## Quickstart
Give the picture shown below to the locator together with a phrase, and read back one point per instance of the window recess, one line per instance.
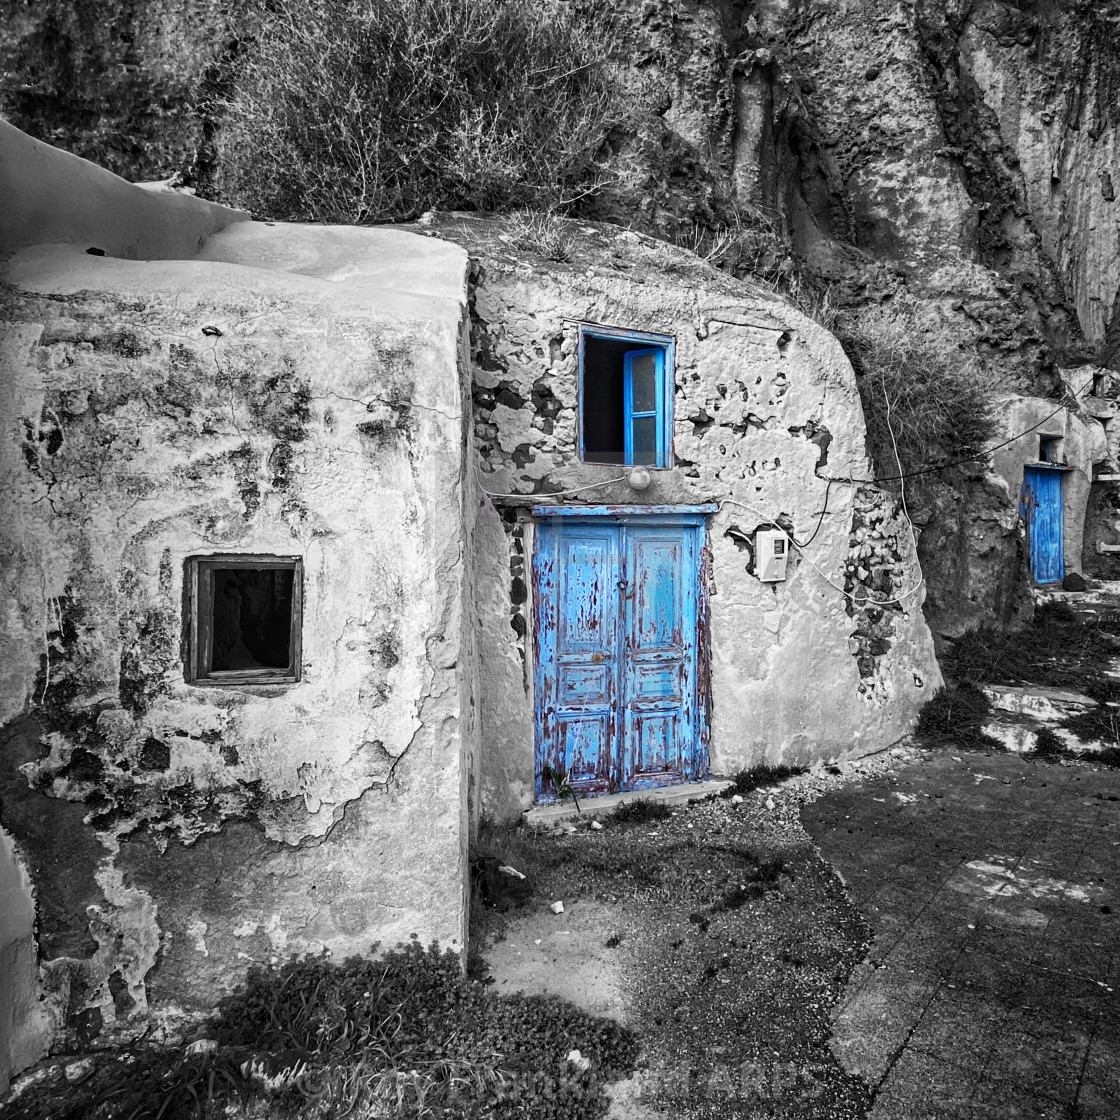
(626, 383)
(245, 615)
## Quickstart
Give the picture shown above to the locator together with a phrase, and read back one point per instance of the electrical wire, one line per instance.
(549, 493)
(860, 600)
(900, 478)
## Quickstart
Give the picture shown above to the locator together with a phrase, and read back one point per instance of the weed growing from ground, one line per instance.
(955, 717)
(540, 232)
(638, 810)
(1054, 649)
(757, 776)
(1048, 744)
(402, 1035)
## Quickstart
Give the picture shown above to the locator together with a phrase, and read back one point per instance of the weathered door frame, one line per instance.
(682, 517)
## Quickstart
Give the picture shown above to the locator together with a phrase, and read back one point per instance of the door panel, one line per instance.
(582, 737)
(617, 616)
(659, 655)
(576, 573)
(1042, 507)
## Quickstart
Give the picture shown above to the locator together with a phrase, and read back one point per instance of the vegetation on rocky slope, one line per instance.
(349, 112)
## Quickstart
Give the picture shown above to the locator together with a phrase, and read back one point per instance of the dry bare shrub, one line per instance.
(374, 110)
(540, 232)
(927, 398)
(748, 241)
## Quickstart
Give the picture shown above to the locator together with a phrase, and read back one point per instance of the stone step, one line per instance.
(1046, 705)
(564, 812)
(1018, 732)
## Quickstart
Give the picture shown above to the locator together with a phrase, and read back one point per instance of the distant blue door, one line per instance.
(1042, 508)
(619, 663)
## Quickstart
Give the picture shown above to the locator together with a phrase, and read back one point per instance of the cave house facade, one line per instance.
(325, 542)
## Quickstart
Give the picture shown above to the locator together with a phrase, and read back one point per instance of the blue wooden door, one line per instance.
(1042, 508)
(617, 653)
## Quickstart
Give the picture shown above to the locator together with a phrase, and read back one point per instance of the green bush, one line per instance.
(926, 397)
(348, 111)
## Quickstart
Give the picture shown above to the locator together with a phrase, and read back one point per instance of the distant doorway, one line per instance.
(1041, 507)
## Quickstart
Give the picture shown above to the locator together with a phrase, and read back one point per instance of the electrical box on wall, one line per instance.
(771, 549)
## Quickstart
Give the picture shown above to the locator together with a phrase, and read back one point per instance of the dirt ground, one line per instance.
(717, 933)
(921, 946)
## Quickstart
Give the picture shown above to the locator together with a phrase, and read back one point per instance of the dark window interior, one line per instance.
(252, 618)
(245, 618)
(1098, 385)
(602, 401)
(1048, 448)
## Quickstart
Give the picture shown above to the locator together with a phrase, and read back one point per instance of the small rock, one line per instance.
(557, 908)
(203, 1046)
(737, 799)
(597, 826)
(614, 939)
(1074, 582)
(78, 1071)
(769, 803)
(576, 1059)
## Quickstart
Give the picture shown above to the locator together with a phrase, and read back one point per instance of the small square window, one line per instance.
(1097, 389)
(1049, 449)
(626, 381)
(245, 615)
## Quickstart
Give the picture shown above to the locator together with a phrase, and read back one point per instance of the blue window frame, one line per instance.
(626, 397)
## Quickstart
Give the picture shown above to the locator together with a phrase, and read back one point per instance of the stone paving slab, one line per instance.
(992, 985)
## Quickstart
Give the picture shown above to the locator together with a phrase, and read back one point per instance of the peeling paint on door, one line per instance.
(619, 668)
(1042, 508)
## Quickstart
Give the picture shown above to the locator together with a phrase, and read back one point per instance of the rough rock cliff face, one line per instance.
(962, 151)
(959, 151)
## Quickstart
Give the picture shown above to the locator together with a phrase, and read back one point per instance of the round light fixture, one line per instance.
(639, 478)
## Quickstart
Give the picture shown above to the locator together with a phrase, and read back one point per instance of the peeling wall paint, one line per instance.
(285, 394)
(765, 413)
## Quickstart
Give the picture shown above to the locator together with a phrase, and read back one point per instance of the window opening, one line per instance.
(1049, 448)
(245, 619)
(1098, 385)
(626, 380)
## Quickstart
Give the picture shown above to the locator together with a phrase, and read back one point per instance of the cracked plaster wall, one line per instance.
(765, 411)
(304, 400)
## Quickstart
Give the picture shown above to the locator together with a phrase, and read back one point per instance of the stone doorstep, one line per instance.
(548, 816)
(1049, 705)
(1100, 593)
